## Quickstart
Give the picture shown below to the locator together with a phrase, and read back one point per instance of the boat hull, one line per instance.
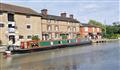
(37, 49)
(49, 48)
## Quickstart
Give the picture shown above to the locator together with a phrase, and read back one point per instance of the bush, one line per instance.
(35, 38)
(64, 37)
(78, 36)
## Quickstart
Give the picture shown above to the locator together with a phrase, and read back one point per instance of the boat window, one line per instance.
(59, 42)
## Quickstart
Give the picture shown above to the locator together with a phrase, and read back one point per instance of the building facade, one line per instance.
(58, 27)
(22, 23)
(18, 22)
(91, 31)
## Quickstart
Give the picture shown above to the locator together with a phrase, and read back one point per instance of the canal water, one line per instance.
(102, 56)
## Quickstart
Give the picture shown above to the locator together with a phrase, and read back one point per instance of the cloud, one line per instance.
(91, 6)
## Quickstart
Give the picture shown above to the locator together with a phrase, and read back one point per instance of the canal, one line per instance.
(102, 56)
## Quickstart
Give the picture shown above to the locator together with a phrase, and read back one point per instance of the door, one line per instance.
(12, 37)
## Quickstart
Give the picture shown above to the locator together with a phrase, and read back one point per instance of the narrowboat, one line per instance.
(34, 46)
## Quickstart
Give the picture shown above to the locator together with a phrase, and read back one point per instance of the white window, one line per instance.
(97, 29)
(68, 22)
(49, 21)
(69, 29)
(74, 29)
(56, 28)
(93, 29)
(86, 28)
(49, 27)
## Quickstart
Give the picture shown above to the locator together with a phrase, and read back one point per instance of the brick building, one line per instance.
(58, 27)
(91, 31)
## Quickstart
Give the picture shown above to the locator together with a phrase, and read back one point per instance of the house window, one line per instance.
(1, 12)
(56, 28)
(1, 25)
(69, 29)
(21, 36)
(74, 29)
(49, 21)
(68, 22)
(10, 17)
(28, 26)
(27, 16)
(11, 26)
(93, 29)
(98, 29)
(86, 28)
(55, 21)
(29, 37)
(49, 27)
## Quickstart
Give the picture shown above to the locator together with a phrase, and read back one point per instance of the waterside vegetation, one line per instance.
(108, 31)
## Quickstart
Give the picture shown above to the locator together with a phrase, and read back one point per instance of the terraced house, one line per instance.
(22, 23)
(59, 27)
(18, 22)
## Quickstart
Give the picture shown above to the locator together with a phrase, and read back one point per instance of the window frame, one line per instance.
(28, 25)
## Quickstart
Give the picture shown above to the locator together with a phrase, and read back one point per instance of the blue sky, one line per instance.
(83, 10)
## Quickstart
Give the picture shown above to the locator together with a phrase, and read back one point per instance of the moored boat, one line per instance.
(34, 46)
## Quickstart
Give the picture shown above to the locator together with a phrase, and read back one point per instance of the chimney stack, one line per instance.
(63, 14)
(44, 12)
(71, 16)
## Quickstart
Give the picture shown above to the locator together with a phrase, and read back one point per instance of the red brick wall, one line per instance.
(90, 30)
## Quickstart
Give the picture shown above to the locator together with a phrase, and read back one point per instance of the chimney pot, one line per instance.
(44, 12)
(63, 14)
(71, 16)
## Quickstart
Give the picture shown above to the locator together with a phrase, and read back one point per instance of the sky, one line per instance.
(104, 11)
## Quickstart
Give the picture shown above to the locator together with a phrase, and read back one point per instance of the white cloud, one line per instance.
(91, 6)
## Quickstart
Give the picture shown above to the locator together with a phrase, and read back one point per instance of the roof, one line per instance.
(59, 18)
(88, 25)
(29, 11)
(17, 9)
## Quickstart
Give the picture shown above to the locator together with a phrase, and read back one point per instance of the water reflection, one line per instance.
(92, 57)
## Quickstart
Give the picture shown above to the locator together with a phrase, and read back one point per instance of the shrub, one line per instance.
(35, 38)
(64, 37)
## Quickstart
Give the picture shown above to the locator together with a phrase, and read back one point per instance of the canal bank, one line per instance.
(103, 40)
(99, 56)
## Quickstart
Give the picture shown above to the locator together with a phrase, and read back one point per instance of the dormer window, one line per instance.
(10, 17)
